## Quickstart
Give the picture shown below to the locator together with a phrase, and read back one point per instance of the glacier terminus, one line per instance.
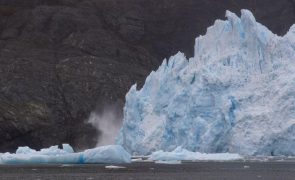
(236, 95)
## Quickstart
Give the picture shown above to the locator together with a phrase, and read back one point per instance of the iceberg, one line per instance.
(180, 154)
(107, 154)
(66, 155)
(236, 95)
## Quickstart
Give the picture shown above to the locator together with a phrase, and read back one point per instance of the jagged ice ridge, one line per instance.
(237, 95)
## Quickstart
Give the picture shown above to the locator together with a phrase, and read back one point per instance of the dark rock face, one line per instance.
(62, 59)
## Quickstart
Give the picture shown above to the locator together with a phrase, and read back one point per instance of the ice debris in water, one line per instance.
(181, 154)
(107, 154)
(66, 155)
(235, 95)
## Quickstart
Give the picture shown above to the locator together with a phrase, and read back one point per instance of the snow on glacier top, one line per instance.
(235, 95)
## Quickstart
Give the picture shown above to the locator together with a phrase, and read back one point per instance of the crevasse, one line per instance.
(236, 95)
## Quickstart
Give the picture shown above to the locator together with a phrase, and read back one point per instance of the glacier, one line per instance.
(236, 95)
(53, 155)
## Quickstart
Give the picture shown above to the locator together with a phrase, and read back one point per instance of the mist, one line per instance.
(108, 122)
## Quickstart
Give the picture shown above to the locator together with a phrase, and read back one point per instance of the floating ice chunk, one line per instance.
(107, 154)
(38, 158)
(168, 162)
(67, 148)
(114, 167)
(180, 154)
(54, 155)
(25, 150)
(53, 150)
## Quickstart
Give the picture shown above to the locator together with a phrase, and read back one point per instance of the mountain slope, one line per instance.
(62, 59)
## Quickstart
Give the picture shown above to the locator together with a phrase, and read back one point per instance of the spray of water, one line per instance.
(108, 123)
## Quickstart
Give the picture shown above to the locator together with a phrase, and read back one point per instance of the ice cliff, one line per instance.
(237, 95)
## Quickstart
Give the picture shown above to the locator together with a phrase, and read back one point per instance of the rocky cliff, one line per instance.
(62, 59)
